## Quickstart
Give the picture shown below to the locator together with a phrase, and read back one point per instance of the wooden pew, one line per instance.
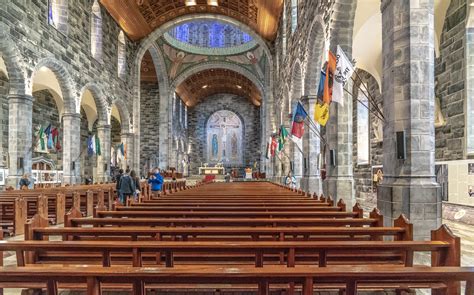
(93, 278)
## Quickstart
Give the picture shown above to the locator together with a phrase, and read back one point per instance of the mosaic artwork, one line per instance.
(224, 138)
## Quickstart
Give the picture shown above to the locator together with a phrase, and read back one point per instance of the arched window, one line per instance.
(57, 14)
(121, 68)
(96, 32)
(224, 138)
(469, 83)
(363, 124)
(294, 15)
(204, 36)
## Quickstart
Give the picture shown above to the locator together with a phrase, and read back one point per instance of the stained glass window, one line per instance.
(121, 55)
(57, 14)
(96, 32)
(294, 15)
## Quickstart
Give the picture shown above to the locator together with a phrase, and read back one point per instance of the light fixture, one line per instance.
(190, 2)
(238, 86)
(212, 2)
(204, 86)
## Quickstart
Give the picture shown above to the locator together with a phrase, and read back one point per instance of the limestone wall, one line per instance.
(450, 74)
(199, 114)
(149, 121)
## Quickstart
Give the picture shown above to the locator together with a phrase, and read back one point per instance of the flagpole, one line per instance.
(362, 82)
(367, 107)
(368, 96)
(313, 124)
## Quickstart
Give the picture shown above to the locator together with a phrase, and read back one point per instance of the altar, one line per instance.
(211, 170)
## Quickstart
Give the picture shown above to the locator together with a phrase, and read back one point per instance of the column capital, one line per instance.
(71, 115)
(104, 127)
(20, 98)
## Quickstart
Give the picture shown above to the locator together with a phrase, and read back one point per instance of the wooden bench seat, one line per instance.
(307, 276)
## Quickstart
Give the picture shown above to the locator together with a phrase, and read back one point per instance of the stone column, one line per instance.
(340, 180)
(128, 140)
(103, 161)
(20, 109)
(409, 185)
(312, 148)
(71, 148)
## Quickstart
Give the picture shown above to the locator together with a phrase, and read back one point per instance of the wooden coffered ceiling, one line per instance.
(148, 72)
(138, 18)
(213, 81)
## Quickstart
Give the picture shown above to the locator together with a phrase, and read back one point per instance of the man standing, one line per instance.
(117, 183)
(127, 186)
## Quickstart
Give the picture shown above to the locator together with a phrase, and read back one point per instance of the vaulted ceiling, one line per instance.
(148, 72)
(138, 18)
(213, 81)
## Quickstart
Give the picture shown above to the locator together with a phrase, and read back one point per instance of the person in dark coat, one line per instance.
(117, 183)
(126, 186)
(136, 179)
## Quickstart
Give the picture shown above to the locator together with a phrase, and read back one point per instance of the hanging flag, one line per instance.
(321, 113)
(267, 152)
(322, 80)
(273, 146)
(122, 151)
(282, 138)
(125, 151)
(328, 83)
(97, 146)
(42, 145)
(50, 141)
(344, 71)
(57, 144)
(297, 128)
(90, 146)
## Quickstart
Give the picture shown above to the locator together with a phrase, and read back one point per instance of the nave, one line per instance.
(257, 237)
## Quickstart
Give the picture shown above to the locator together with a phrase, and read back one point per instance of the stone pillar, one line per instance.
(20, 109)
(312, 148)
(103, 161)
(71, 148)
(409, 185)
(340, 180)
(128, 140)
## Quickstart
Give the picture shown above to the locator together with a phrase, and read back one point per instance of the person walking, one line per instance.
(117, 183)
(136, 180)
(127, 187)
(156, 181)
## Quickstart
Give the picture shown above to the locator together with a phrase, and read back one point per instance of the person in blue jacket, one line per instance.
(156, 181)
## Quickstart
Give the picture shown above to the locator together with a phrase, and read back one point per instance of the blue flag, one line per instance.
(322, 80)
(90, 146)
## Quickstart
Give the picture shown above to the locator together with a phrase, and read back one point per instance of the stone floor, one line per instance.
(463, 230)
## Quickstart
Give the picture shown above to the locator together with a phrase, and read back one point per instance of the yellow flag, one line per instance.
(321, 113)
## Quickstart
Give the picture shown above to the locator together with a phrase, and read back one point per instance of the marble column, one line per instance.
(71, 148)
(312, 150)
(409, 185)
(103, 161)
(127, 139)
(340, 179)
(20, 109)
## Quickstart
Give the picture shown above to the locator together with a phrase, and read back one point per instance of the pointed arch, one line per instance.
(124, 114)
(314, 56)
(13, 62)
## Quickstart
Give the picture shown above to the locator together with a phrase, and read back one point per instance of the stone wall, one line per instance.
(363, 173)
(450, 74)
(45, 112)
(149, 122)
(4, 88)
(197, 119)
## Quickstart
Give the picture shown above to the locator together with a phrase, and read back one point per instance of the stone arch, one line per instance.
(99, 99)
(342, 25)
(13, 62)
(296, 81)
(65, 82)
(314, 51)
(124, 114)
(218, 65)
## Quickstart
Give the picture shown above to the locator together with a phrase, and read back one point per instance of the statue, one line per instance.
(378, 126)
(215, 145)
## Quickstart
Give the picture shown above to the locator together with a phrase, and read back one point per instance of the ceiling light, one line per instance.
(238, 86)
(212, 2)
(190, 2)
(204, 87)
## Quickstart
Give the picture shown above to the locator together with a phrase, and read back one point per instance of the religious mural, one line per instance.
(224, 138)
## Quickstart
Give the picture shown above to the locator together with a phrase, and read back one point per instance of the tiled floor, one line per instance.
(466, 232)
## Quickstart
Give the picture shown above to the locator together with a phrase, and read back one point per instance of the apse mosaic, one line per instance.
(224, 138)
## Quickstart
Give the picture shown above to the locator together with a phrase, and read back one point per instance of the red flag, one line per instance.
(273, 146)
(328, 83)
(299, 115)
